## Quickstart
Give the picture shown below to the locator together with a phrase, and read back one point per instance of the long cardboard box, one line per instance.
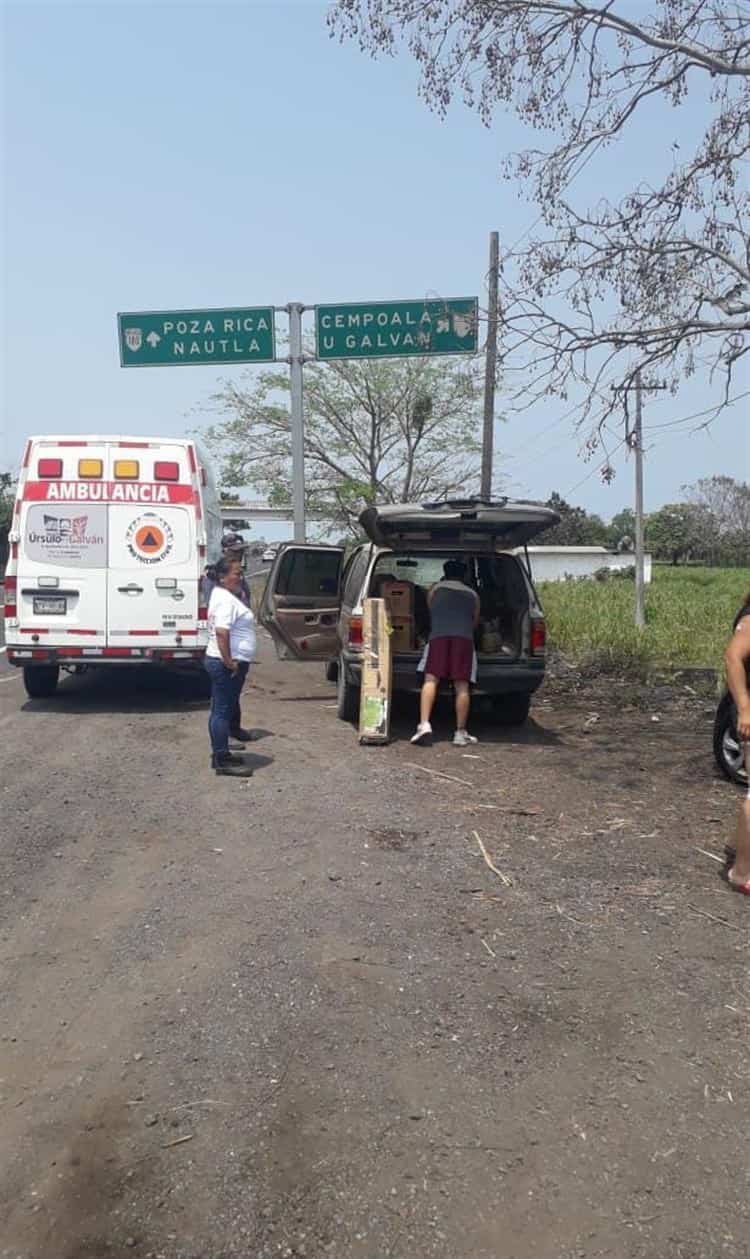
(375, 699)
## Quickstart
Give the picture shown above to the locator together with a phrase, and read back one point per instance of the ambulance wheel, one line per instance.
(347, 697)
(40, 680)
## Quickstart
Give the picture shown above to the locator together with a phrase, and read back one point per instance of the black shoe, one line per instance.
(242, 736)
(229, 759)
(234, 767)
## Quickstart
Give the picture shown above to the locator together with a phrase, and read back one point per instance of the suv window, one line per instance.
(306, 573)
(422, 570)
(355, 576)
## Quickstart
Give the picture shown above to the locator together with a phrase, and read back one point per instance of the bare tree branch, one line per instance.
(659, 279)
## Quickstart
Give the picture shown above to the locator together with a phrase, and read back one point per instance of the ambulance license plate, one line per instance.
(50, 605)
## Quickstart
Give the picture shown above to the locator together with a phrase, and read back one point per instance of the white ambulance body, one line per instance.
(108, 543)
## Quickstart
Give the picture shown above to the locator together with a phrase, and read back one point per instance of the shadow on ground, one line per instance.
(481, 724)
(120, 690)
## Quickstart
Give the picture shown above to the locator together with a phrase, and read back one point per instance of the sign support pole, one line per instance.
(490, 370)
(296, 360)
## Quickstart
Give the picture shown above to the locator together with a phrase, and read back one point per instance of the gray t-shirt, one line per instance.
(452, 608)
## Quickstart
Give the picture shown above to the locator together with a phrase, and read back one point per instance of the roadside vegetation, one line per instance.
(689, 614)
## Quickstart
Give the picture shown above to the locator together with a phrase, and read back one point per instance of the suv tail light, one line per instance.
(355, 632)
(538, 638)
(11, 584)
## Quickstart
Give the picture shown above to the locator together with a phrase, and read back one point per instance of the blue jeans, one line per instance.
(225, 696)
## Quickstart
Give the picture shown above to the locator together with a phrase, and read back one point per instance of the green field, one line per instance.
(689, 613)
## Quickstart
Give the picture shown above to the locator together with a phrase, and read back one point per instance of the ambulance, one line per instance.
(109, 540)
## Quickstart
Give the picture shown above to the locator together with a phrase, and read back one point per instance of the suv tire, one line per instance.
(727, 748)
(511, 710)
(347, 697)
(40, 680)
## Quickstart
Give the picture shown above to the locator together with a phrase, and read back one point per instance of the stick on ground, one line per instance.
(705, 914)
(436, 774)
(704, 852)
(488, 861)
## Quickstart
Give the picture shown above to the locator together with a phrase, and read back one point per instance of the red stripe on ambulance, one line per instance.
(107, 492)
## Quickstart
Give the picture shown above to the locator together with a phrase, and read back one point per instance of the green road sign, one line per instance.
(397, 329)
(169, 338)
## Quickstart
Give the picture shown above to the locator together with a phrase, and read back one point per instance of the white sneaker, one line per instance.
(462, 739)
(423, 735)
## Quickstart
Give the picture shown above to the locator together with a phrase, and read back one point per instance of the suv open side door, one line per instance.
(302, 600)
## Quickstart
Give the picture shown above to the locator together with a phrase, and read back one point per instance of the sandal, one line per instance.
(744, 888)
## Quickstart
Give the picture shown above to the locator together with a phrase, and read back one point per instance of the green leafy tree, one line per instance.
(621, 530)
(678, 531)
(727, 504)
(576, 527)
(377, 430)
(7, 497)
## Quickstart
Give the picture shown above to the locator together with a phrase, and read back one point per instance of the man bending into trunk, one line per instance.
(449, 654)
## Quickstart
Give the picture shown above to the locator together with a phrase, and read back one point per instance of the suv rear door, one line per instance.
(460, 523)
(301, 602)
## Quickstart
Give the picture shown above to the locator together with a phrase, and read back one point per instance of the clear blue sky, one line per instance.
(189, 155)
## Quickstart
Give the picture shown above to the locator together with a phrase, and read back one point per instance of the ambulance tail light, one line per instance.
(127, 469)
(48, 469)
(538, 637)
(356, 639)
(165, 470)
(11, 585)
(202, 604)
(90, 469)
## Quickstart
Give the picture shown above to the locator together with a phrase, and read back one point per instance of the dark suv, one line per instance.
(313, 602)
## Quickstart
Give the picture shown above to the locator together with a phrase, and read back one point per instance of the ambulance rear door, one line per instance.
(62, 552)
(153, 576)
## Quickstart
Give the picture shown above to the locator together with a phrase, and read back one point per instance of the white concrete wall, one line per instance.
(555, 563)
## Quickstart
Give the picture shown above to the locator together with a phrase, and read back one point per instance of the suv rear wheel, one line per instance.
(511, 710)
(347, 696)
(40, 680)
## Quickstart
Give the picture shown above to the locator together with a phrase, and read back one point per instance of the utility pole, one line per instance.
(635, 443)
(296, 360)
(490, 369)
(637, 446)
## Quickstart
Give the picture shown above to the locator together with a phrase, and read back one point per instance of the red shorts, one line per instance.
(450, 659)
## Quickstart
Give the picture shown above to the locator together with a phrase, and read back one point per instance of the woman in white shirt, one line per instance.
(231, 648)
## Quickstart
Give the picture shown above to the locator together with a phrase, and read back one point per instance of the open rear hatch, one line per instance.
(457, 522)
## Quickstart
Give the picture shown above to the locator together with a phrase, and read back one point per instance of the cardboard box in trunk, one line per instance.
(375, 699)
(402, 635)
(399, 596)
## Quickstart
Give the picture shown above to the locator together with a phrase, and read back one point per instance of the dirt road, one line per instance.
(302, 1017)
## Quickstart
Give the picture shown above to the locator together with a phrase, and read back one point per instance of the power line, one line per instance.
(697, 415)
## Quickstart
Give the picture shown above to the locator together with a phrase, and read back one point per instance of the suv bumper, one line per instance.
(501, 678)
